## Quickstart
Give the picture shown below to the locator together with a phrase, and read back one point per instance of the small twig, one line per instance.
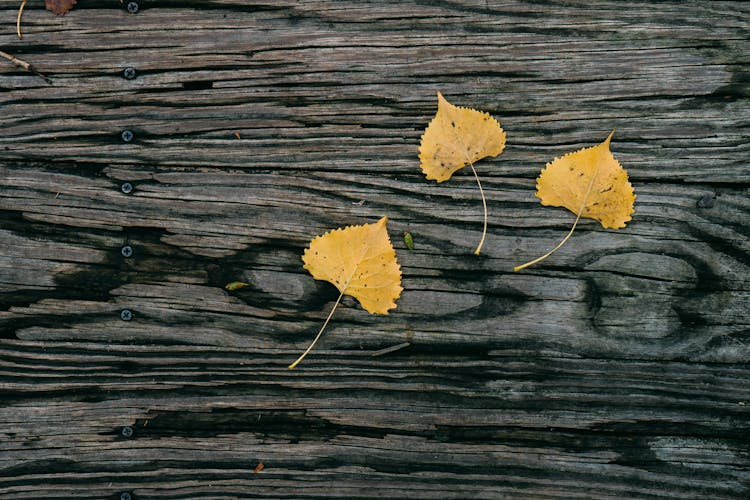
(391, 349)
(23, 64)
(18, 19)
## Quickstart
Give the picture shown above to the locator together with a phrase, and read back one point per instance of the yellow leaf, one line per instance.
(360, 261)
(458, 137)
(590, 183)
(235, 285)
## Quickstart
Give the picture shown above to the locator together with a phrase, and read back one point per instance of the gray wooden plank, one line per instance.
(617, 368)
(314, 86)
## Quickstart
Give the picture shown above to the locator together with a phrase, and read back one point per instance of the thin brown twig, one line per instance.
(23, 64)
(18, 19)
(391, 349)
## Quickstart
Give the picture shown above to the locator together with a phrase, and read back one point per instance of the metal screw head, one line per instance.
(126, 188)
(125, 496)
(126, 431)
(126, 315)
(127, 135)
(133, 7)
(127, 251)
(129, 73)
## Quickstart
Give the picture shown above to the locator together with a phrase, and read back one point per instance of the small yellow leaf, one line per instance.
(458, 137)
(236, 285)
(590, 178)
(360, 261)
(590, 183)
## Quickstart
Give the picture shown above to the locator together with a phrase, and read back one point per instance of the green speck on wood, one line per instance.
(408, 240)
(235, 285)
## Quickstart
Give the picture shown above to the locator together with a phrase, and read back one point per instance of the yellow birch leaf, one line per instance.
(590, 183)
(359, 261)
(458, 137)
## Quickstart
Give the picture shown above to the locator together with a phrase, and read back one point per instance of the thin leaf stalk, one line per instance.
(317, 337)
(570, 233)
(484, 206)
(481, 192)
(18, 19)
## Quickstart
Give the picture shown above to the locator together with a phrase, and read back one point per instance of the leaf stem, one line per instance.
(18, 19)
(481, 191)
(567, 237)
(484, 205)
(317, 337)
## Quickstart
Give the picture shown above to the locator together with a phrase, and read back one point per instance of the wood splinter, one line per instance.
(391, 349)
(23, 64)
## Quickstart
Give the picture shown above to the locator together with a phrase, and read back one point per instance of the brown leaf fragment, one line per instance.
(59, 7)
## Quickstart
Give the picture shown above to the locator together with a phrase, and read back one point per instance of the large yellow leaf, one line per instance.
(360, 261)
(590, 183)
(458, 137)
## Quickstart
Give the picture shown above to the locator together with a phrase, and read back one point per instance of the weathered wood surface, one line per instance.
(617, 368)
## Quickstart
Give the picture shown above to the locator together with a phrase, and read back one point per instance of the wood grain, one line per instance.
(618, 368)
